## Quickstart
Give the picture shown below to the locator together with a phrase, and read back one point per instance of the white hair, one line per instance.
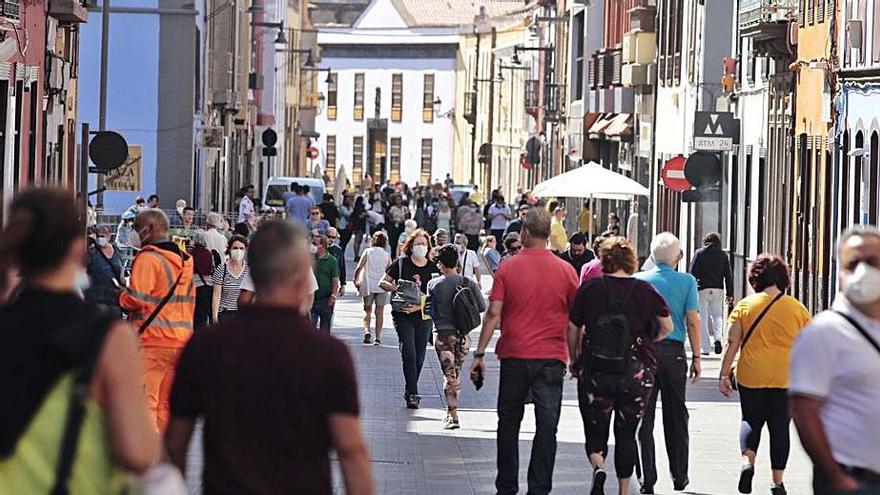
(411, 224)
(665, 248)
(214, 219)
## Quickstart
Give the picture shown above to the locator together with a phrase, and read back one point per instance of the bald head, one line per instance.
(278, 257)
(152, 226)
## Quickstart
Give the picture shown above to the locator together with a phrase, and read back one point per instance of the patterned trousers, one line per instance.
(451, 349)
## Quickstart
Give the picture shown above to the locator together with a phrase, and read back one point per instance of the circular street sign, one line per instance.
(703, 169)
(108, 150)
(269, 137)
(312, 153)
(673, 175)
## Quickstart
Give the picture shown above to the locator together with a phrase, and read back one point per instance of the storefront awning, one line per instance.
(620, 127)
(599, 126)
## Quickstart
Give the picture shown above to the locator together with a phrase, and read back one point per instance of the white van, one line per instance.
(277, 187)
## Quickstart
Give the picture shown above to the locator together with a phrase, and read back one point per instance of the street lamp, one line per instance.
(281, 39)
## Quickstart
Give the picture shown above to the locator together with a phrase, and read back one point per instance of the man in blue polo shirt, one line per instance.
(680, 292)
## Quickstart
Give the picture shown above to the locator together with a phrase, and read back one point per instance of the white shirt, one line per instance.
(470, 265)
(832, 361)
(215, 241)
(499, 222)
(374, 270)
(245, 208)
(248, 284)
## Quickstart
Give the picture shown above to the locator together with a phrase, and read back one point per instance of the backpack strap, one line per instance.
(79, 393)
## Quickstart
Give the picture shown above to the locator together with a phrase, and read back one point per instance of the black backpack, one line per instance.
(610, 343)
(465, 308)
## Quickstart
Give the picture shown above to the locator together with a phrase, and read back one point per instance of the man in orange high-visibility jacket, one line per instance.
(159, 268)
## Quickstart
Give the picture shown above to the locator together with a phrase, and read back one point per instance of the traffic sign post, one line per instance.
(715, 131)
(673, 175)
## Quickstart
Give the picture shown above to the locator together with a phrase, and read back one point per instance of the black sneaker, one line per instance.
(746, 473)
(412, 402)
(778, 489)
(647, 489)
(717, 347)
(368, 338)
(680, 485)
(599, 476)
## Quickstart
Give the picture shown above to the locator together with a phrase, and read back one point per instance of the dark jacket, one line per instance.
(338, 253)
(711, 268)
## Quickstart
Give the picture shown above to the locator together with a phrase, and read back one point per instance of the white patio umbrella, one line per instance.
(590, 181)
(339, 184)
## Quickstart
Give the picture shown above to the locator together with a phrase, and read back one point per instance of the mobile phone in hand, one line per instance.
(477, 378)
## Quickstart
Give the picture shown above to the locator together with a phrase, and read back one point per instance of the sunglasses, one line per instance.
(515, 248)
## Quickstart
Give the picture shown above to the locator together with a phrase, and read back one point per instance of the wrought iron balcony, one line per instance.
(11, 9)
(531, 94)
(554, 102)
(470, 107)
(767, 23)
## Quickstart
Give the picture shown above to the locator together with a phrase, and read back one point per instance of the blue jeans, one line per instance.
(322, 311)
(413, 333)
(544, 378)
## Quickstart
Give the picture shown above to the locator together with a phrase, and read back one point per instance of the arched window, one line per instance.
(844, 181)
(875, 177)
(858, 201)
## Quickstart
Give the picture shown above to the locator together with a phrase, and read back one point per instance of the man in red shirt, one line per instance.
(530, 298)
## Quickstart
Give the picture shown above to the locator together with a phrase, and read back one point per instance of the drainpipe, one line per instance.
(475, 109)
(491, 119)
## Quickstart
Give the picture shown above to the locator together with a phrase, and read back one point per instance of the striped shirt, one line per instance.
(231, 284)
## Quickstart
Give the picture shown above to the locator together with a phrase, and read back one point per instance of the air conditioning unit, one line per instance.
(635, 75)
(645, 49)
(628, 48)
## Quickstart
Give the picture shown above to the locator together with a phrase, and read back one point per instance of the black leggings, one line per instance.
(598, 395)
(765, 405)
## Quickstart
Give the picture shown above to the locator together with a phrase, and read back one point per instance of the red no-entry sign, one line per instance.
(673, 175)
(312, 153)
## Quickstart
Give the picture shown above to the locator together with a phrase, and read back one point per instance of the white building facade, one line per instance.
(390, 98)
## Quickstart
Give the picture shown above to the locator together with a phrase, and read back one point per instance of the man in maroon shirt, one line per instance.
(530, 298)
(272, 412)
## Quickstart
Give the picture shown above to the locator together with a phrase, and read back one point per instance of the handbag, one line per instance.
(752, 329)
(407, 293)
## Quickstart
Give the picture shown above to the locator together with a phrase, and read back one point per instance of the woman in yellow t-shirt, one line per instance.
(762, 372)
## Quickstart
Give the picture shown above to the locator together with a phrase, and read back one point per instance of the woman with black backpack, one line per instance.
(450, 295)
(614, 321)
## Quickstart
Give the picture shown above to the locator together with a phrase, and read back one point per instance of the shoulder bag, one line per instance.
(748, 334)
(860, 329)
(159, 306)
(407, 293)
(79, 393)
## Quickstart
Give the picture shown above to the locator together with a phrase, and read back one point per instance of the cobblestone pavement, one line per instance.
(412, 454)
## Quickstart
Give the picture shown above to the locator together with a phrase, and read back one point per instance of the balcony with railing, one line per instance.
(767, 23)
(554, 102)
(531, 94)
(470, 107)
(10, 9)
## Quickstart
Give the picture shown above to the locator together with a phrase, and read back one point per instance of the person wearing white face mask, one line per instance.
(411, 321)
(227, 279)
(834, 370)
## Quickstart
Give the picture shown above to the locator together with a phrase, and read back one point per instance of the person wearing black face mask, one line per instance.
(577, 254)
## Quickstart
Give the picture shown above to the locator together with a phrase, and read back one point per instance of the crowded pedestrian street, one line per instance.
(411, 453)
(440, 247)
